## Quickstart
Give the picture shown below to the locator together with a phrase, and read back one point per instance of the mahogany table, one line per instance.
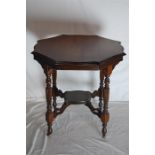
(77, 52)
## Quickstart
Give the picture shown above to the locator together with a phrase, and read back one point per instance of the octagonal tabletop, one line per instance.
(88, 49)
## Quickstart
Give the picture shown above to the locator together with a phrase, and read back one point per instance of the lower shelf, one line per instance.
(77, 97)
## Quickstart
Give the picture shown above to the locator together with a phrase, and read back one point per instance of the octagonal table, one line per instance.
(77, 52)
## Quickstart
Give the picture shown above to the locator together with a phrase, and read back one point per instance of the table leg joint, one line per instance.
(95, 111)
(95, 94)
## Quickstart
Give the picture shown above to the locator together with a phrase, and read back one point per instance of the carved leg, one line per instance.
(105, 114)
(49, 114)
(100, 90)
(54, 89)
(105, 74)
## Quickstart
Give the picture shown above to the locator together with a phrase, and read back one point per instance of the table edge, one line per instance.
(91, 65)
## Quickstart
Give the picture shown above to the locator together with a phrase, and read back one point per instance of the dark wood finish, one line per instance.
(78, 52)
(77, 97)
(101, 91)
(63, 107)
(49, 94)
(78, 48)
(95, 111)
(54, 88)
(95, 93)
(104, 75)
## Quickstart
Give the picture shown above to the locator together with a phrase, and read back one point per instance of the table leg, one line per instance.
(50, 115)
(54, 89)
(104, 94)
(101, 91)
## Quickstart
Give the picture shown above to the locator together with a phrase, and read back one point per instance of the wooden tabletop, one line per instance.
(77, 49)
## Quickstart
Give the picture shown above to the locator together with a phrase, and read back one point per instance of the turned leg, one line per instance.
(104, 95)
(100, 90)
(49, 91)
(54, 89)
(105, 113)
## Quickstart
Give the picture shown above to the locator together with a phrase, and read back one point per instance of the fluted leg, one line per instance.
(104, 95)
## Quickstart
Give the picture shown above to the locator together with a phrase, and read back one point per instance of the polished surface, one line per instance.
(78, 48)
(78, 52)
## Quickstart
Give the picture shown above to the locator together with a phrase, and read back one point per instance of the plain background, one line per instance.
(13, 133)
(106, 18)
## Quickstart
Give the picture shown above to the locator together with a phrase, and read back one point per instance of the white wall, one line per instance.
(107, 18)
